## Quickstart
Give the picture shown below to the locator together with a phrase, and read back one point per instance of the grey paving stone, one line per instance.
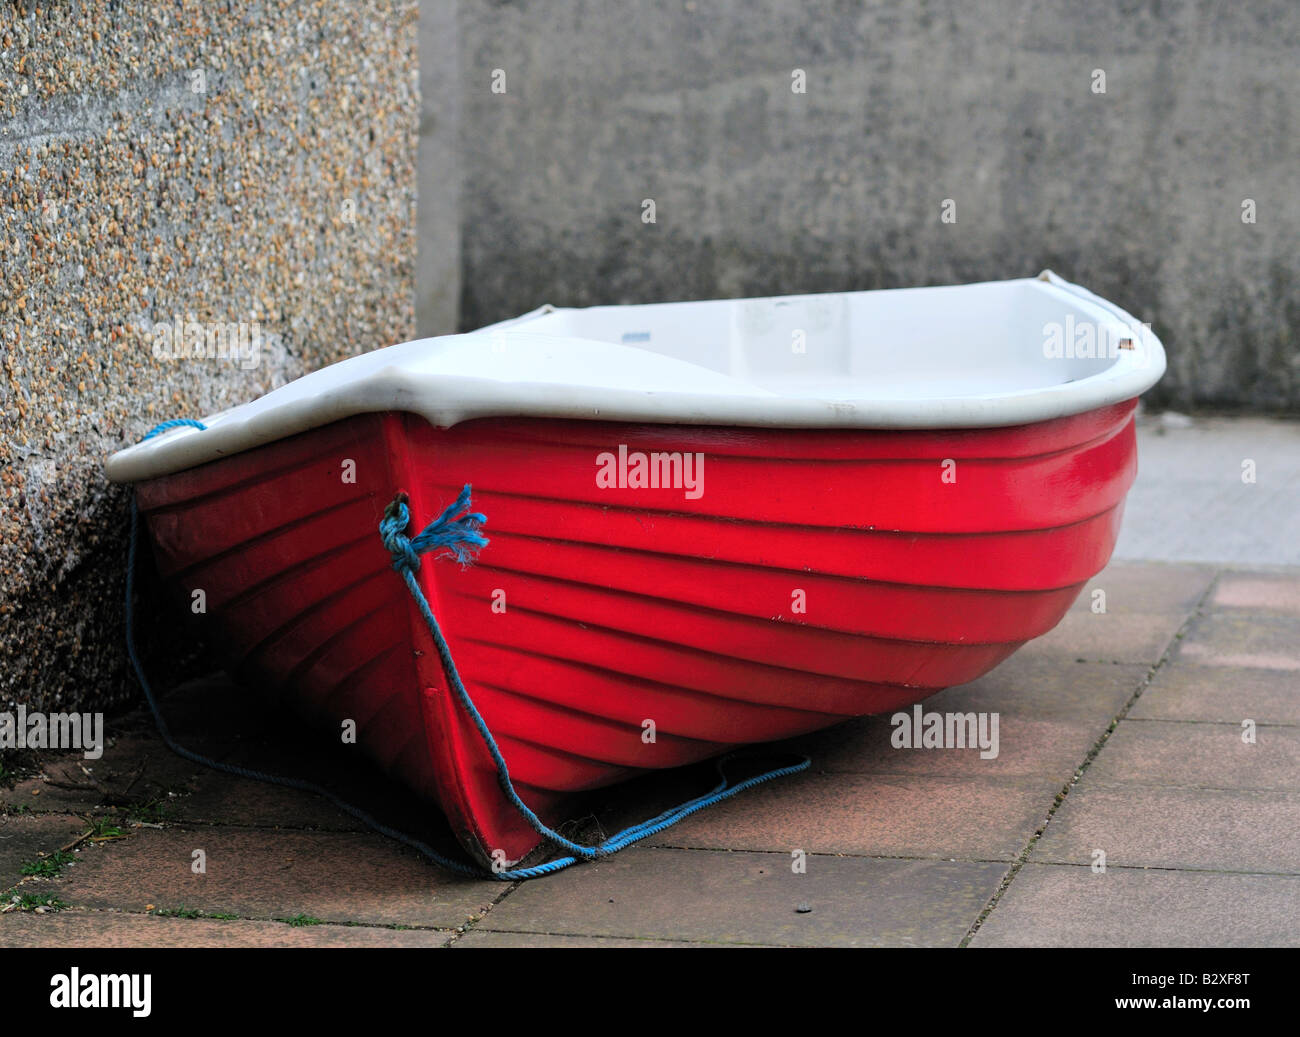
(1237, 639)
(25, 838)
(135, 769)
(1158, 752)
(1026, 747)
(116, 929)
(332, 876)
(1186, 691)
(241, 801)
(1276, 592)
(1154, 827)
(1111, 637)
(753, 898)
(1147, 587)
(1190, 505)
(875, 814)
(483, 938)
(1145, 605)
(1048, 687)
(1055, 906)
(1051, 712)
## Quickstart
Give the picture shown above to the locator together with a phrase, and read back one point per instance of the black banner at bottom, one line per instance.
(497, 987)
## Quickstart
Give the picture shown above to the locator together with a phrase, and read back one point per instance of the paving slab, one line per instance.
(1161, 827)
(1027, 747)
(874, 815)
(1160, 752)
(1050, 714)
(1067, 906)
(1189, 503)
(1237, 639)
(1145, 606)
(1133, 588)
(25, 838)
(242, 801)
(483, 938)
(208, 714)
(1274, 592)
(1188, 691)
(136, 767)
(1048, 686)
(1110, 637)
(753, 898)
(115, 929)
(134, 770)
(332, 876)
(228, 799)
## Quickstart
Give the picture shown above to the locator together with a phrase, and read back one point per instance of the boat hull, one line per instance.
(611, 628)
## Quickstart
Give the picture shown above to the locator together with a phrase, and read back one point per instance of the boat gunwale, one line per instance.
(376, 383)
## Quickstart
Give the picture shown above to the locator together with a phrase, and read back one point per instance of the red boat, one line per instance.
(710, 524)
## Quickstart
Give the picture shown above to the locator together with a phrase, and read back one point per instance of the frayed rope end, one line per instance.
(455, 531)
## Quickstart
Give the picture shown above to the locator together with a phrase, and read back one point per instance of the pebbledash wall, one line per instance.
(207, 163)
(574, 113)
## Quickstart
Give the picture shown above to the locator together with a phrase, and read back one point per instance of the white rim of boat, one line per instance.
(511, 370)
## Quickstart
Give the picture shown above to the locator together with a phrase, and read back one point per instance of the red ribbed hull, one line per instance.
(819, 576)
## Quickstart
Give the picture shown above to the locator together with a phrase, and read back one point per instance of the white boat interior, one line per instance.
(968, 356)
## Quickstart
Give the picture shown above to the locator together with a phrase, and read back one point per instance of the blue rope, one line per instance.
(460, 535)
(167, 426)
(455, 533)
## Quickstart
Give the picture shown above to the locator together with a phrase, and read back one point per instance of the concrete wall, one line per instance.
(222, 163)
(1136, 193)
(438, 175)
